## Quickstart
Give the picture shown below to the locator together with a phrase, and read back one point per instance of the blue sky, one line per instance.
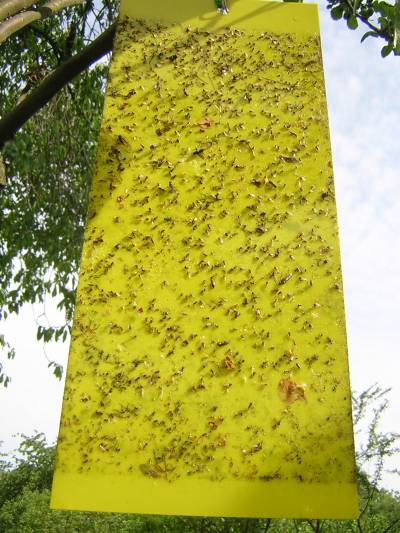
(364, 118)
(364, 114)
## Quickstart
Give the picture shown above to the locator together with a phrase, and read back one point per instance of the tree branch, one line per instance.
(353, 6)
(10, 7)
(370, 25)
(48, 39)
(3, 179)
(21, 20)
(54, 82)
(371, 491)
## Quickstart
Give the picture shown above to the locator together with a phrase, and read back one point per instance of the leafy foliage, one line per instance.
(25, 481)
(30, 468)
(6, 348)
(43, 201)
(43, 206)
(380, 17)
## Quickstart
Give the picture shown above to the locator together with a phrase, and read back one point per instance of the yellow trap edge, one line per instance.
(198, 498)
(261, 15)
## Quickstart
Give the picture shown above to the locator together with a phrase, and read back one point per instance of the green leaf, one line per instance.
(47, 334)
(352, 22)
(58, 369)
(337, 12)
(385, 9)
(369, 34)
(39, 333)
(366, 12)
(383, 22)
(386, 50)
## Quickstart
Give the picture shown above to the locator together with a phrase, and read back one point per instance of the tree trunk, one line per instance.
(21, 20)
(10, 7)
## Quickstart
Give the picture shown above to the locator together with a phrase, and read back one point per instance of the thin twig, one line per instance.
(46, 37)
(267, 524)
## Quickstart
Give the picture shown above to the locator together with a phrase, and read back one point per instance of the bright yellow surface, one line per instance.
(208, 367)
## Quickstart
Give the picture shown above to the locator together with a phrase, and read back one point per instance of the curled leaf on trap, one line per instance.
(289, 391)
(229, 363)
(205, 123)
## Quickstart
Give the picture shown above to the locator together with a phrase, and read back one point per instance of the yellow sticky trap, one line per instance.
(208, 367)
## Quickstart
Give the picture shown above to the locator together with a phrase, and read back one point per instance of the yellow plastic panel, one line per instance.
(208, 368)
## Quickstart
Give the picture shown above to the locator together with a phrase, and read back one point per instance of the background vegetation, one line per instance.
(25, 484)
